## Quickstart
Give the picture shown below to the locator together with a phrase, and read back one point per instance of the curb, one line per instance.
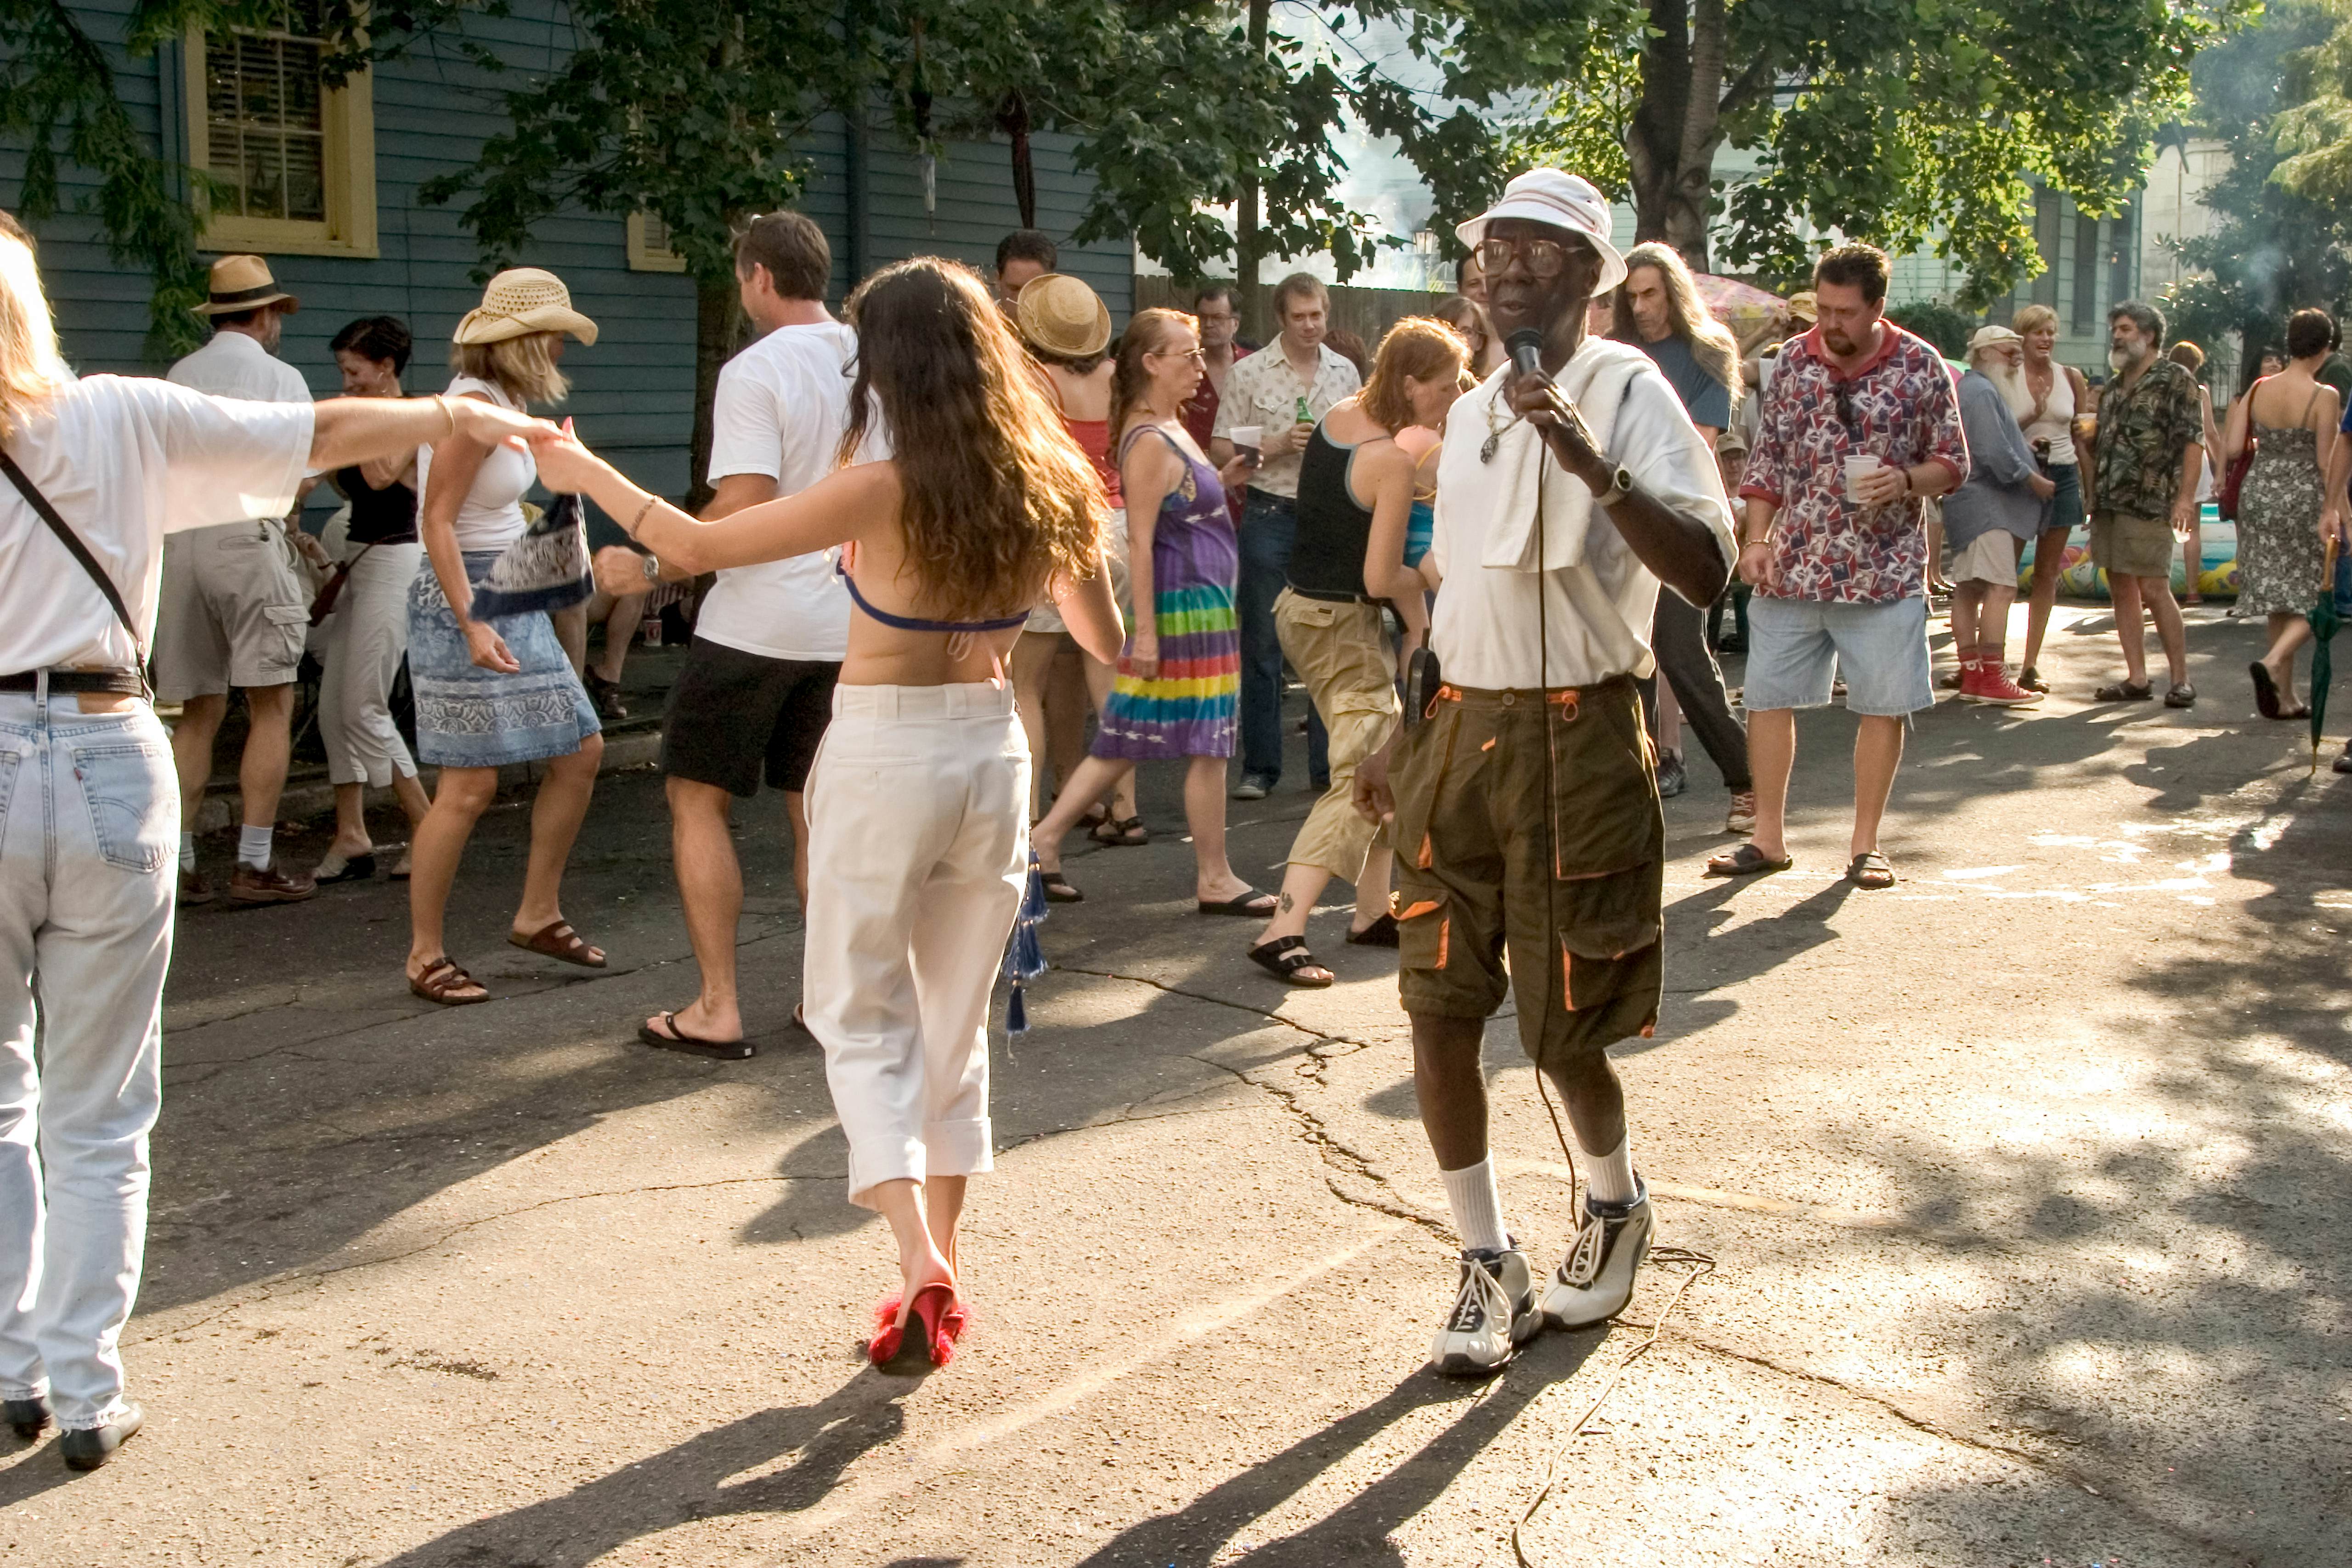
(313, 799)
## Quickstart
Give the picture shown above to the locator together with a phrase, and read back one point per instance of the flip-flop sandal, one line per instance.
(1249, 904)
(1058, 891)
(1745, 861)
(2124, 691)
(2266, 700)
(559, 940)
(1870, 869)
(440, 981)
(1285, 957)
(2181, 695)
(344, 867)
(1121, 833)
(1381, 932)
(677, 1039)
(2300, 711)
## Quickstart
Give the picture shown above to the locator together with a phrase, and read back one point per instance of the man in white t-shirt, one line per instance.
(234, 613)
(90, 810)
(755, 693)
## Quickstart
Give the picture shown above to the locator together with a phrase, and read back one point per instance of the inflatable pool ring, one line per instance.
(2078, 579)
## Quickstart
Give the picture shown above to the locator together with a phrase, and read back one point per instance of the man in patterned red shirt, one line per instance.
(1859, 426)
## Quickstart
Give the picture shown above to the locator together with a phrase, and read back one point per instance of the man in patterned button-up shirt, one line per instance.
(1837, 555)
(2146, 460)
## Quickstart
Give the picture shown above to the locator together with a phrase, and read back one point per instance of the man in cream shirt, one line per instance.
(1522, 802)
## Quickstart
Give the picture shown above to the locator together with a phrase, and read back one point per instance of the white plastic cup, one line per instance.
(1856, 465)
(1249, 435)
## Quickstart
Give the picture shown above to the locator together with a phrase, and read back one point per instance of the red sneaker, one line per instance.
(1991, 684)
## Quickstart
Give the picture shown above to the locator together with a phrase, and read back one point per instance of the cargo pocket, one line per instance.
(1425, 923)
(1418, 770)
(292, 624)
(1605, 813)
(1607, 930)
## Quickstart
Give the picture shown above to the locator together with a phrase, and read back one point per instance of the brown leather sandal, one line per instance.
(559, 940)
(441, 982)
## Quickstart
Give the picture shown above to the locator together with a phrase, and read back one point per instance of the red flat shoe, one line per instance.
(941, 1315)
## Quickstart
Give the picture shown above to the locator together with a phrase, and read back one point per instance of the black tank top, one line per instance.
(1326, 560)
(388, 516)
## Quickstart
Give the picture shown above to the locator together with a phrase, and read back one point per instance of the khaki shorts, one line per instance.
(1046, 616)
(233, 611)
(2125, 545)
(1989, 557)
(1341, 652)
(1492, 865)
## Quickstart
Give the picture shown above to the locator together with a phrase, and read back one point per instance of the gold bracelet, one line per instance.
(449, 412)
(633, 522)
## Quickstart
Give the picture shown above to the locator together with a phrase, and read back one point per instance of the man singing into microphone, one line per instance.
(1523, 806)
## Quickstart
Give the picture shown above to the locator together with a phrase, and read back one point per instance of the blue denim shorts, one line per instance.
(1796, 648)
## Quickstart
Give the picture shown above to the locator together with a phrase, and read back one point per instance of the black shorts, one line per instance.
(730, 711)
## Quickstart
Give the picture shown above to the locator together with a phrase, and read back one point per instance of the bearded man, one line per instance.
(2148, 452)
(1988, 519)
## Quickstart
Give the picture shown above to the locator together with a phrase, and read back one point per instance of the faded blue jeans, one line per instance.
(1269, 527)
(90, 830)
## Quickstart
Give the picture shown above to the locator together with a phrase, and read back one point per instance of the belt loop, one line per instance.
(41, 697)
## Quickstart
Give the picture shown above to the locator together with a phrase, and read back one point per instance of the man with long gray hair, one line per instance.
(98, 472)
(2145, 457)
(1659, 312)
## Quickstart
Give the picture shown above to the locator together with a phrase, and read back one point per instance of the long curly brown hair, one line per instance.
(998, 497)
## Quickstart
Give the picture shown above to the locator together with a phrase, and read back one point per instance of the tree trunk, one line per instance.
(1672, 140)
(718, 312)
(1247, 243)
(1013, 117)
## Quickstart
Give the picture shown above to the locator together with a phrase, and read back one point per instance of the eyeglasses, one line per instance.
(1545, 258)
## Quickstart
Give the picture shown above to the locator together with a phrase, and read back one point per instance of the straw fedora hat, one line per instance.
(522, 300)
(244, 283)
(1059, 315)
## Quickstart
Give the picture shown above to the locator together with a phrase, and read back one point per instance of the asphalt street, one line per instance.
(2025, 1186)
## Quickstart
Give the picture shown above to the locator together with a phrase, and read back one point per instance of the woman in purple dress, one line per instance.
(1179, 676)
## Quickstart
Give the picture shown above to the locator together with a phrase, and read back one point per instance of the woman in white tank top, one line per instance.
(2056, 397)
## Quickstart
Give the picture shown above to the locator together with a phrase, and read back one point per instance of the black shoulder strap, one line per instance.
(79, 551)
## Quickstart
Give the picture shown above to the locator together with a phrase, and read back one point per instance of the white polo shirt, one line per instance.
(126, 461)
(782, 406)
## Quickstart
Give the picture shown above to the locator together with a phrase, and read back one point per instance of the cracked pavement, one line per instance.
(2025, 1184)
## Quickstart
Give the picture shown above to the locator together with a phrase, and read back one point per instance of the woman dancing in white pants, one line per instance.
(918, 804)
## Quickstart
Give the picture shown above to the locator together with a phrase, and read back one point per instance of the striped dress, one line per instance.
(1187, 709)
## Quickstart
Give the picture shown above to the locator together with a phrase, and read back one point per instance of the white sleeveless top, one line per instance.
(2055, 422)
(490, 517)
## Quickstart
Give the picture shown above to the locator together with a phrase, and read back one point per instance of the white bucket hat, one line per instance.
(1564, 201)
(1990, 337)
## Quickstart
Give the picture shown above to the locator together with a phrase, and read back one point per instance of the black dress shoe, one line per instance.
(27, 1415)
(87, 1448)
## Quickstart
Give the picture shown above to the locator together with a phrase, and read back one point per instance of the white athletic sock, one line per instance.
(253, 846)
(1478, 1206)
(187, 851)
(1609, 1178)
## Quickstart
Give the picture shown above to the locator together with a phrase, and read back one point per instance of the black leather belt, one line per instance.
(120, 682)
(1324, 598)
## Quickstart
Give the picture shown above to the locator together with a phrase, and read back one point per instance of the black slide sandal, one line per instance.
(678, 1040)
(2266, 700)
(1283, 957)
(1058, 891)
(1249, 904)
(1381, 932)
(1747, 861)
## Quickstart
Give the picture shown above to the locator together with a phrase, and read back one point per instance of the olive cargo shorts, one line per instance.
(1561, 876)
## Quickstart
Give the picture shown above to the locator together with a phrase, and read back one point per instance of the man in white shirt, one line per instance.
(1283, 390)
(90, 810)
(235, 614)
(755, 693)
(1523, 807)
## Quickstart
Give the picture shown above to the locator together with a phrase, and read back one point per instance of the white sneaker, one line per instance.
(1595, 1280)
(1494, 1313)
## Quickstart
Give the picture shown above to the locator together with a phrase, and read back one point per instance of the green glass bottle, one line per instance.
(1304, 418)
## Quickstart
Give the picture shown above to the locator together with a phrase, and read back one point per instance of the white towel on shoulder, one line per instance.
(1504, 491)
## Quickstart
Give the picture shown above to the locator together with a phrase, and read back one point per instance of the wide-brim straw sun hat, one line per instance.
(1059, 315)
(522, 300)
(1564, 201)
(243, 283)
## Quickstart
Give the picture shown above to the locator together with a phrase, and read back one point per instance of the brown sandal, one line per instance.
(441, 980)
(558, 940)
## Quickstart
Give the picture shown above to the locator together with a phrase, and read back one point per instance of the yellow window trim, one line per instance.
(645, 254)
(348, 115)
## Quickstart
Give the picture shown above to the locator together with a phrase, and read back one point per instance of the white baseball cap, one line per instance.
(1564, 201)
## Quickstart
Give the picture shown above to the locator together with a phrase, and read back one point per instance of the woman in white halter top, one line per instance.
(2058, 394)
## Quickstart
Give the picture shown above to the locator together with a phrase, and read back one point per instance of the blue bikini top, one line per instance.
(916, 624)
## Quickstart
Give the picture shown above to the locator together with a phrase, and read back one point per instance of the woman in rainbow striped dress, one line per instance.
(1180, 678)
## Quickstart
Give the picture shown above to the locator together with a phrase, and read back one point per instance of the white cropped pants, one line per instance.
(919, 851)
(360, 649)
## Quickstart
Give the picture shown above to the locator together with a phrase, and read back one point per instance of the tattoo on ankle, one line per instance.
(1286, 905)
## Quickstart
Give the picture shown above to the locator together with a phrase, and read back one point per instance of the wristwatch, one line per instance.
(1620, 485)
(653, 567)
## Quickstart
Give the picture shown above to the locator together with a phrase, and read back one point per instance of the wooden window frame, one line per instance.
(348, 165)
(644, 256)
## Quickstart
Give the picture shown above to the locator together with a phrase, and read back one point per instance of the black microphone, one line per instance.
(1526, 351)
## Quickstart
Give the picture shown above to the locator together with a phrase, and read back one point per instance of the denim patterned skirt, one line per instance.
(469, 717)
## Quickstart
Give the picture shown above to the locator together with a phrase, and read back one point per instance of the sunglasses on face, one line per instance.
(1545, 258)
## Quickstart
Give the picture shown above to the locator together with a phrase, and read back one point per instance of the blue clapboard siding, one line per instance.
(633, 390)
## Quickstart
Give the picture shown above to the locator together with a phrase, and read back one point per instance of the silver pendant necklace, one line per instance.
(1494, 441)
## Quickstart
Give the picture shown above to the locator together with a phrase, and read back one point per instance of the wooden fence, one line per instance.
(1367, 313)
